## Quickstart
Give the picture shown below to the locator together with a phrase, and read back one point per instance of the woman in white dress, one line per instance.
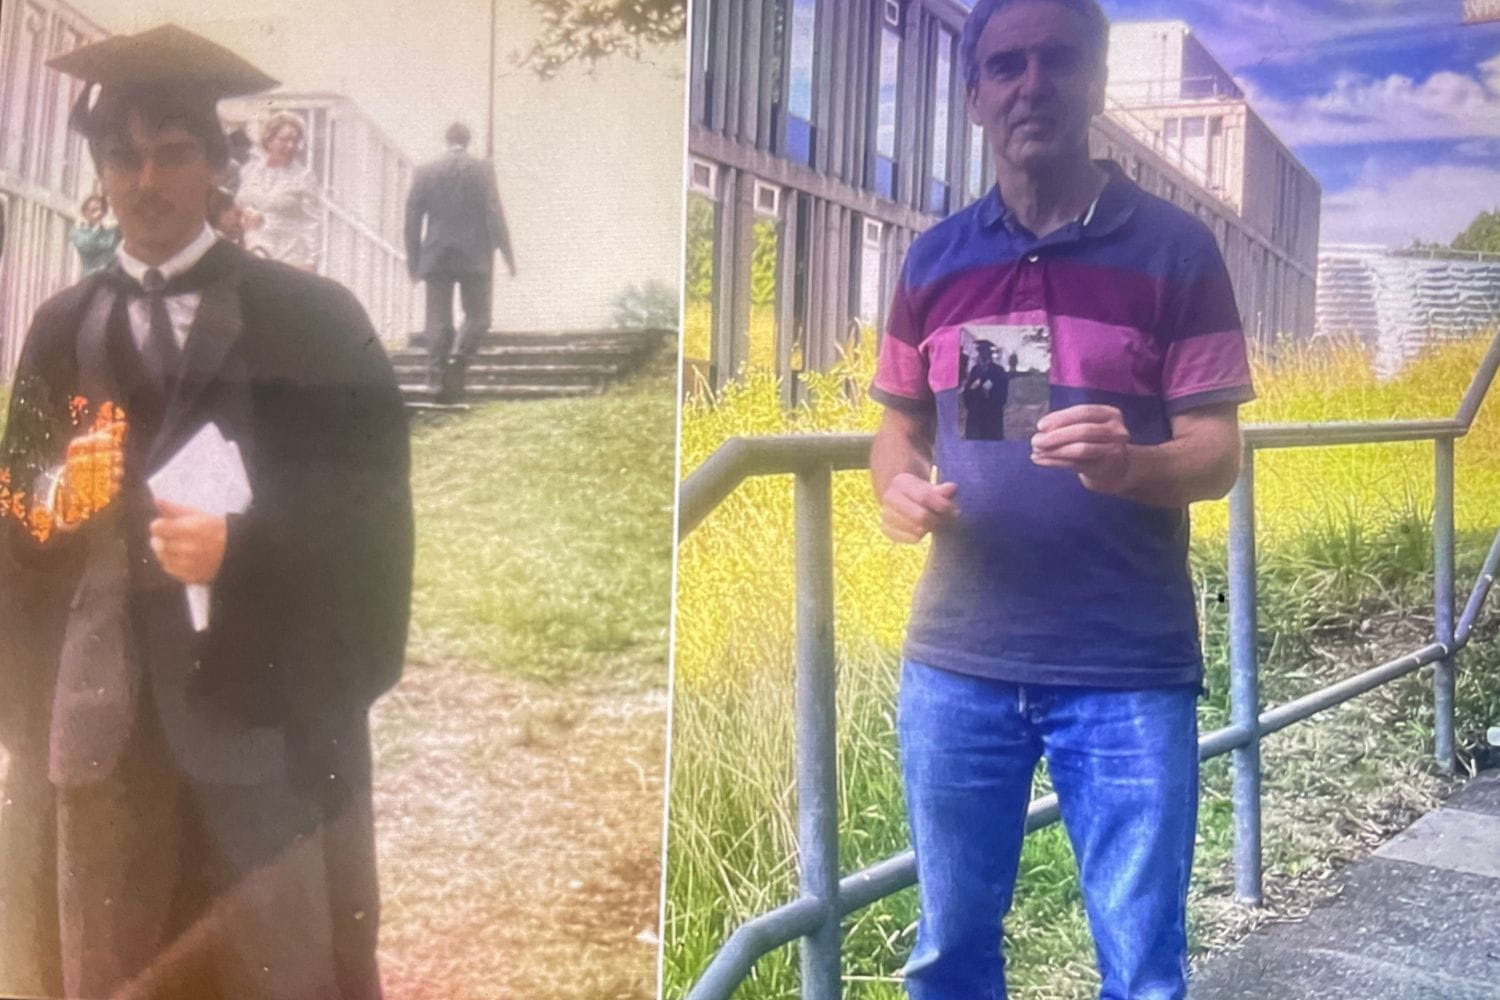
(278, 197)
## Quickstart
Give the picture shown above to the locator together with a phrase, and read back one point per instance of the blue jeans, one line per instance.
(1124, 764)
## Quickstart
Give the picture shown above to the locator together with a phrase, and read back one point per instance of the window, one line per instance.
(703, 177)
(700, 252)
(885, 116)
(976, 163)
(703, 18)
(942, 99)
(767, 199)
(871, 268)
(891, 12)
(801, 57)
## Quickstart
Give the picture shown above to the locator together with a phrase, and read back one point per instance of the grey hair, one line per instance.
(979, 17)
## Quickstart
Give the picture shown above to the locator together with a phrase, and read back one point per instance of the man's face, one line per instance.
(1039, 85)
(159, 183)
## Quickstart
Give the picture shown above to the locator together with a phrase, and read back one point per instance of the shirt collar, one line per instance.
(174, 265)
(1108, 212)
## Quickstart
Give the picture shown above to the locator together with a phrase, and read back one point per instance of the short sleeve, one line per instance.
(1205, 360)
(901, 371)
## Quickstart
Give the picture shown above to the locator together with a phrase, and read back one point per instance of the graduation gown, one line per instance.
(310, 607)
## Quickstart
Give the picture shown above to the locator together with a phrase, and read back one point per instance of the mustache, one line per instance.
(152, 203)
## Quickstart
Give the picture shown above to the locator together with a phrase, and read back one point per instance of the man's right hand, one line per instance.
(912, 507)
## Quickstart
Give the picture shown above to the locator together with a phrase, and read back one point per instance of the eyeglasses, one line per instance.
(168, 156)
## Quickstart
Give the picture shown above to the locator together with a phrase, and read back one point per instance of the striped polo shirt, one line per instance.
(1039, 579)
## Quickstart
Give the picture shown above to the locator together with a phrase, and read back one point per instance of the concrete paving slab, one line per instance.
(1450, 838)
(1399, 931)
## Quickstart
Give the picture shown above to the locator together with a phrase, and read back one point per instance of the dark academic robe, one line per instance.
(310, 608)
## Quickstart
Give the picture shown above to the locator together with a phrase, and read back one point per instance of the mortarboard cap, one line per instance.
(164, 58)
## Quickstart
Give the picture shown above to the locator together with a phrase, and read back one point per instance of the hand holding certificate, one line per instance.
(194, 490)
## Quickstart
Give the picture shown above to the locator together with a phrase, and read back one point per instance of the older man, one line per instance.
(1055, 617)
(210, 772)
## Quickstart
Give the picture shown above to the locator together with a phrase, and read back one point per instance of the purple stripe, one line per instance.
(1092, 355)
(1205, 363)
(902, 369)
(1062, 287)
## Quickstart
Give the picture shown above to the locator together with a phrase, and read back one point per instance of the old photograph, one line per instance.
(339, 352)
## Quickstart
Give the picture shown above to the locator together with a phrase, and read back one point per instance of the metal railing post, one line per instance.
(1244, 684)
(817, 747)
(1442, 603)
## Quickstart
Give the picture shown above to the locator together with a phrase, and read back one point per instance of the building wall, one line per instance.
(1399, 302)
(803, 200)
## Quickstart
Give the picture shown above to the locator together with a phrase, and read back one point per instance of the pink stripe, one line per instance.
(1204, 363)
(1087, 354)
(902, 370)
(942, 346)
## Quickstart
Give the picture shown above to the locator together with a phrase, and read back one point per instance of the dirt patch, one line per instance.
(520, 837)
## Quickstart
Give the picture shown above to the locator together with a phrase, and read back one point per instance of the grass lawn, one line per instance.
(544, 535)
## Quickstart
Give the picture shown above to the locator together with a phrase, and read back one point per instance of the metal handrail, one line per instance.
(812, 458)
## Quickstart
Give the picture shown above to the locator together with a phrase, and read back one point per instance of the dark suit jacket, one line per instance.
(457, 197)
(311, 604)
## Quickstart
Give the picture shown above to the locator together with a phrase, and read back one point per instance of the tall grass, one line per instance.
(1345, 536)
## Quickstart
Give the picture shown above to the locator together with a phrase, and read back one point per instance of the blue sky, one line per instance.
(1393, 104)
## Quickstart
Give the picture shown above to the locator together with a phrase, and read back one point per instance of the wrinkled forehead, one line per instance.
(1032, 25)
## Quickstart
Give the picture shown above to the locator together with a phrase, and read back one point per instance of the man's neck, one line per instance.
(158, 257)
(1047, 199)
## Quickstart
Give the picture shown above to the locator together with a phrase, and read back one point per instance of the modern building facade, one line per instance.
(46, 171)
(823, 135)
(1398, 302)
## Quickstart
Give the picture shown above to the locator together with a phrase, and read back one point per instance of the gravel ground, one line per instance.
(520, 836)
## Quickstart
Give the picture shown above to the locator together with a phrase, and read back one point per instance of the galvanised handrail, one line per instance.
(812, 458)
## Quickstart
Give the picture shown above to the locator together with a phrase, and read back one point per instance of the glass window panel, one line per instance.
(871, 266)
(976, 162)
(942, 86)
(800, 58)
(764, 276)
(890, 64)
(698, 278)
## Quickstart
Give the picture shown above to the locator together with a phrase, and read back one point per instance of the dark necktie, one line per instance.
(161, 354)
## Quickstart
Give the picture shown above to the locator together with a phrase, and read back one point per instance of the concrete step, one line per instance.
(481, 373)
(534, 365)
(420, 397)
(559, 338)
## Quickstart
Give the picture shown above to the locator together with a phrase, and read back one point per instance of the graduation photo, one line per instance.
(335, 498)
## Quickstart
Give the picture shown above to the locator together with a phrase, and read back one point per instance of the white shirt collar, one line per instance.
(174, 265)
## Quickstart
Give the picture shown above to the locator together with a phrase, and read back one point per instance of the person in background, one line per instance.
(278, 197)
(457, 199)
(94, 241)
(225, 215)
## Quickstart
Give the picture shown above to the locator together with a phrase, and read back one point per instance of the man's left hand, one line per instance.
(1089, 439)
(188, 543)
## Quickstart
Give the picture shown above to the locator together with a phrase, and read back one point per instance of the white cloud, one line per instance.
(1430, 203)
(1359, 108)
(1245, 34)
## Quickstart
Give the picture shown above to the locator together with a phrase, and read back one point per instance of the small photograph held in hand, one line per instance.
(1004, 378)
